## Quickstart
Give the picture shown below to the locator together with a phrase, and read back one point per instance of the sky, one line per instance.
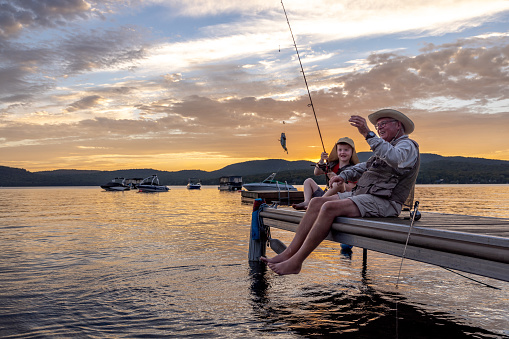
(202, 84)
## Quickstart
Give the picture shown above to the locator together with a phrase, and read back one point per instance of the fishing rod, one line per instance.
(304, 75)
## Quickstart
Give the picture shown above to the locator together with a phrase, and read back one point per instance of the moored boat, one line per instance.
(151, 184)
(269, 184)
(133, 182)
(117, 184)
(230, 183)
(193, 184)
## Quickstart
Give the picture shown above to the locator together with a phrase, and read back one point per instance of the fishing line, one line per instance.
(309, 93)
(304, 75)
(469, 278)
(403, 257)
(407, 238)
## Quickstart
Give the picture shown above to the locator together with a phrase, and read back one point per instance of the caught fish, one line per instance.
(283, 141)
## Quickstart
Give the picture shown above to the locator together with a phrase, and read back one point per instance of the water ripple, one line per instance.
(79, 262)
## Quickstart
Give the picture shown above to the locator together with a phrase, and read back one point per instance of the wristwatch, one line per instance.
(370, 135)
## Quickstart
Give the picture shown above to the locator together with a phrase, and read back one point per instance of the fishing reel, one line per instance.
(415, 211)
(323, 166)
(417, 215)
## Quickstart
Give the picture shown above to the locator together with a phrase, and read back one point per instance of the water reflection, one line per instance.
(482, 200)
(348, 309)
(346, 253)
(259, 278)
(86, 263)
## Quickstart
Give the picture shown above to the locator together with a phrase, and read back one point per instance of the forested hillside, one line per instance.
(434, 169)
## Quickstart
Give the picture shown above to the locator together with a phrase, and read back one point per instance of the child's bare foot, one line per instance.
(300, 206)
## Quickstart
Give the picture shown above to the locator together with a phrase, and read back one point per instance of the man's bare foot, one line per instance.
(285, 255)
(265, 260)
(300, 206)
(286, 267)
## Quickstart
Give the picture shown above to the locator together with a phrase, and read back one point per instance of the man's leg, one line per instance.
(305, 225)
(328, 211)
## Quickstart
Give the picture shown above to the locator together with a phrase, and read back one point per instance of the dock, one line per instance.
(281, 197)
(472, 244)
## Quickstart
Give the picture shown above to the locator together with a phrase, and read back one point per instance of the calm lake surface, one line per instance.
(82, 262)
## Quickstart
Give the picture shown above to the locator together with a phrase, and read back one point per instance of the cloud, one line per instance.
(197, 8)
(17, 15)
(329, 20)
(459, 72)
(84, 103)
(455, 72)
(100, 50)
(25, 69)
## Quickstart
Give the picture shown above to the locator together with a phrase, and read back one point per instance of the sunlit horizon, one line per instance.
(191, 164)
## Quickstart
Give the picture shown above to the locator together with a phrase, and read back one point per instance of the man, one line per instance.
(384, 183)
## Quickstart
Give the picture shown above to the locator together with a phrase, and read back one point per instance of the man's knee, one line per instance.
(336, 208)
(316, 202)
(331, 208)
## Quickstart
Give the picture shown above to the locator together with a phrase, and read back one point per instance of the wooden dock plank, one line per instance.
(439, 239)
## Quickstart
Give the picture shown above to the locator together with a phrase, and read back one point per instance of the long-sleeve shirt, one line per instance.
(403, 155)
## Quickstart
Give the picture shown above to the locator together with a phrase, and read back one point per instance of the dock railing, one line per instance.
(280, 198)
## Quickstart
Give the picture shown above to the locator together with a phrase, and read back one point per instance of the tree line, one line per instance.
(434, 169)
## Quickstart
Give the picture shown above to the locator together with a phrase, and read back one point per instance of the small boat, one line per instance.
(231, 183)
(151, 184)
(133, 182)
(117, 184)
(193, 184)
(269, 184)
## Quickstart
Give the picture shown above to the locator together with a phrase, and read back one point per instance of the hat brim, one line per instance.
(333, 155)
(392, 113)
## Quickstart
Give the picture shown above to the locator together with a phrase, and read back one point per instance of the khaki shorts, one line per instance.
(372, 206)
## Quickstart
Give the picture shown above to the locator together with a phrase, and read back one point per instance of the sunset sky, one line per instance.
(201, 84)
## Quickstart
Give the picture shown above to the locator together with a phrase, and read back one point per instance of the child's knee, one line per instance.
(308, 181)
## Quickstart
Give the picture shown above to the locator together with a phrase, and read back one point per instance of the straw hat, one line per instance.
(333, 155)
(392, 113)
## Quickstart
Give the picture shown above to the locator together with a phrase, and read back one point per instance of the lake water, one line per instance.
(82, 262)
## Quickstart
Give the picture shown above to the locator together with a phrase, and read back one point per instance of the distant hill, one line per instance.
(434, 169)
(19, 177)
